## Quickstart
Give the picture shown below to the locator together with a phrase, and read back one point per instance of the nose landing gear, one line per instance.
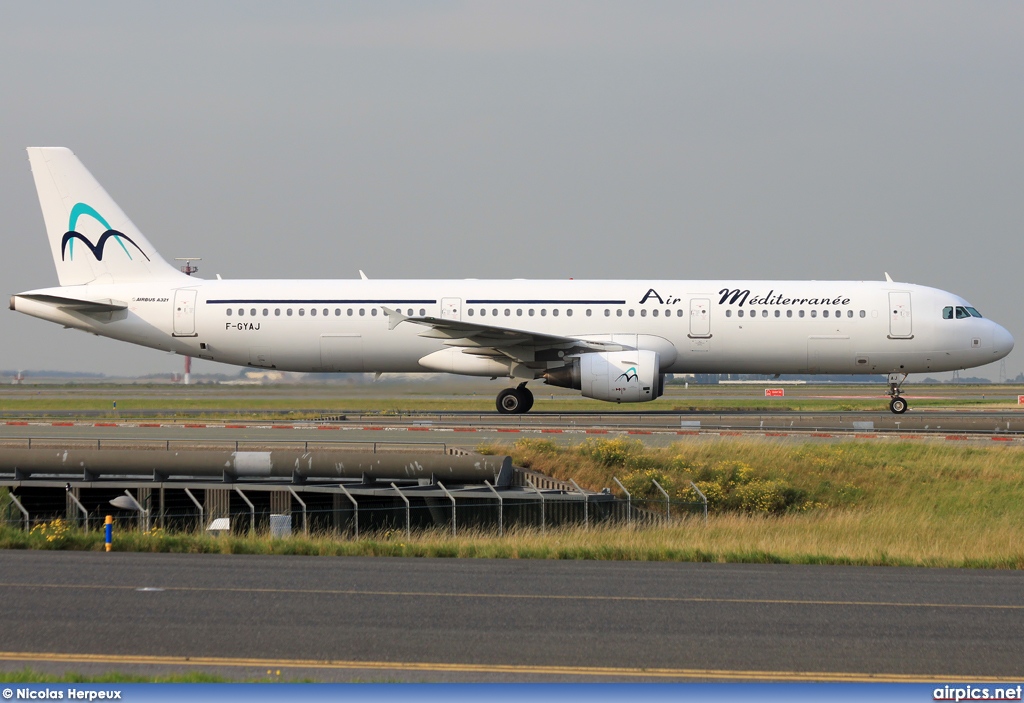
(515, 401)
(898, 404)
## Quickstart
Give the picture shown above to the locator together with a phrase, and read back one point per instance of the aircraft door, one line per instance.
(451, 308)
(185, 312)
(700, 317)
(900, 320)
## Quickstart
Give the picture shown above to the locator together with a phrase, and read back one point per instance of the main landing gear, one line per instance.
(898, 404)
(514, 401)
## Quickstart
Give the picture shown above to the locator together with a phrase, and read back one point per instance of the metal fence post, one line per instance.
(19, 506)
(703, 497)
(305, 525)
(452, 499)
(198, 505)
(252, 510)
(85, 513)
(543, 526)
(586, 504)
(629, 503)
(668, 501)
(501, 506)
(408, 529)
(355, 508)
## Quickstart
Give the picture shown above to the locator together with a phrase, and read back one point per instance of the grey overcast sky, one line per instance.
(547, 139)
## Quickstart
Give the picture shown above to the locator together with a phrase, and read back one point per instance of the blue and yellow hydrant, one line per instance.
(108, 531)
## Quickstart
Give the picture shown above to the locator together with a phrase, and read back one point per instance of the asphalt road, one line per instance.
(485, 620)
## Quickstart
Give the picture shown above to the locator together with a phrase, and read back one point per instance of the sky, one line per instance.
(642, 140)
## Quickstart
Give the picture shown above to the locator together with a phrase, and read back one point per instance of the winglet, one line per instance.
(395, 318)
(888, 277)
(363, 276)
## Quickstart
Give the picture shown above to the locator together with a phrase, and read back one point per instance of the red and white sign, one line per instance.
(1020, 400)
(780, 392)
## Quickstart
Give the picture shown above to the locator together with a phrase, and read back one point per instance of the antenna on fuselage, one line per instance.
(188, 269)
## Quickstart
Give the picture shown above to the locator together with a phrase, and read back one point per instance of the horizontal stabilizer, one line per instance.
(84, 306)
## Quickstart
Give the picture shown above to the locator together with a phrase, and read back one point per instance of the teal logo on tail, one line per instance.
(67, 244)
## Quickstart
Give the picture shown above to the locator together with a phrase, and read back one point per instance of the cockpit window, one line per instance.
(947, 312)
(961, 312)
(974, 313)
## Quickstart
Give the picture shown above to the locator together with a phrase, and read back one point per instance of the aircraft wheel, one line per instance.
(510, 402)
(527, 399)
(898, 405)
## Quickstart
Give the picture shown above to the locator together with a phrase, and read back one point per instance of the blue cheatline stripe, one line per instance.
(545, 302)
(320, 302)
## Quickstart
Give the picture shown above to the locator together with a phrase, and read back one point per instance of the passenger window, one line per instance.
(643, 313)
(362, 312)
(265, 312)
(728, 313)
(632, 313)
(568, 313)
(508, 312)
(679, 313)
(814, 313)
(277, 312)
(778, 313)
(739, 313)
(849, 313)
(423, 312)
(337, 312)
(289, 312)
(764, 313)
(753, 313)
(470, 312)
(350, 312)
(555, 312)
(312, 311)
(230, 312)
(302, 312)
(373, 311)
(654, 313)
(863, 314)
(530, 311)
(618, 313)
(241, 311)
(824, 313)
(801, 313)
(588, 312)
(252, 312)
(543, 312)
(789, 313)
(494, 312)
(519, 312)
(607, 312)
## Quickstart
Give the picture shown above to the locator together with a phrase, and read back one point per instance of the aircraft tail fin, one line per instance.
(91, 239)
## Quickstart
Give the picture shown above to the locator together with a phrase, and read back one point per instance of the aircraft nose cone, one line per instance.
(1002, 342)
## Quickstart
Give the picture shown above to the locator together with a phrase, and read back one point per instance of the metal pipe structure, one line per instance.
(355, 508)
(198, 505)
(81, 508)
(408, 516)
(17, 504)
(297, 465)
(252, 510)
(305, 524)
(586, 503)
(543, 527)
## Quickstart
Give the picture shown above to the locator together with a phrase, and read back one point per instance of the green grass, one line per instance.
(28, 675)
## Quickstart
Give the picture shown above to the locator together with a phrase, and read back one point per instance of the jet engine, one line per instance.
(622, 376)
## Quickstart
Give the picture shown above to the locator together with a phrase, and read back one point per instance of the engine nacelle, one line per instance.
(619, 377)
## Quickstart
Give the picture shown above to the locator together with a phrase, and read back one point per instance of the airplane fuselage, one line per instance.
(696, 326)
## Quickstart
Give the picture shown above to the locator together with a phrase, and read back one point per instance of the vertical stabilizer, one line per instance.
(91, 239)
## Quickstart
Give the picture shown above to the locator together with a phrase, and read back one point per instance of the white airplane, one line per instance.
(611, 340)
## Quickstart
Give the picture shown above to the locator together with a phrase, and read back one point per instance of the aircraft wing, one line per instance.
(493, 340)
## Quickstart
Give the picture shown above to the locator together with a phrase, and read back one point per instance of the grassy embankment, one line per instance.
(915, 503)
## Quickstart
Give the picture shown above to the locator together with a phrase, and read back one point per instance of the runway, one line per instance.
(342, 619)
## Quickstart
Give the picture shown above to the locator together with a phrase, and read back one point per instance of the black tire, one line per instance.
(527, 399)
(509, 402)
(898, 405)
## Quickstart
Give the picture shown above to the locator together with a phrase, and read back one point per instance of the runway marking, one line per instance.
(522, 669)
(529, 596)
